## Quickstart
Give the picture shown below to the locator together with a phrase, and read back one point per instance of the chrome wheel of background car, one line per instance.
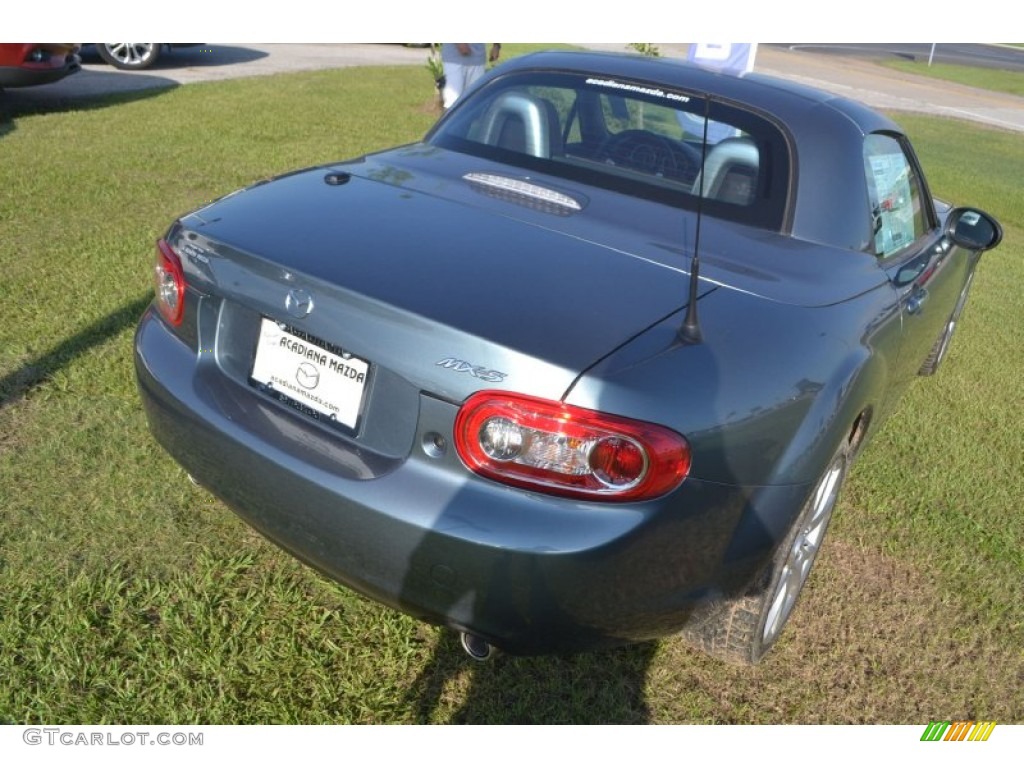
(129, 55)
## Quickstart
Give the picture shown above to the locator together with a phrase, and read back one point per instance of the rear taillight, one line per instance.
(169, 283)
(551, 447)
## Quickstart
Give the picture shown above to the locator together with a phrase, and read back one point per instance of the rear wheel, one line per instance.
(744, 628)
(129, 55)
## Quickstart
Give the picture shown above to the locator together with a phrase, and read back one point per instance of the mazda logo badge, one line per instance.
(299, 303)
(307, 375)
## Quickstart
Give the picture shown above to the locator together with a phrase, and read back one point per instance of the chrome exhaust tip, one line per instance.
(475, 647)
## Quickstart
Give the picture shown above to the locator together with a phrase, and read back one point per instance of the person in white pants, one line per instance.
(464, 63)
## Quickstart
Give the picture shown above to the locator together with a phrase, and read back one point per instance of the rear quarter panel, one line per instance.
(770, 392)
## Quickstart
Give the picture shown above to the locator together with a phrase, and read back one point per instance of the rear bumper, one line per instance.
(529, 573)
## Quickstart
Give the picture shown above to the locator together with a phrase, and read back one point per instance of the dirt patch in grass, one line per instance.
(872, 641)
(432, 108)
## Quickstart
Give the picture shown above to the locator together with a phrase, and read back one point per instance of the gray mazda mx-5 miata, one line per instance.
(587, 365)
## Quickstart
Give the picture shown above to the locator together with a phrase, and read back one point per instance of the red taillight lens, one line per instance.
(170, 283)
(548, 446)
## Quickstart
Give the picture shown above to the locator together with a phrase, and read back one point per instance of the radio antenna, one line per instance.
(690, 332)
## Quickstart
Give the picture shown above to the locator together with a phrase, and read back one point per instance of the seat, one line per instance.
(522, 123)
(730, 171)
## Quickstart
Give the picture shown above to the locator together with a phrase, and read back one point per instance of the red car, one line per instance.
(36, 63)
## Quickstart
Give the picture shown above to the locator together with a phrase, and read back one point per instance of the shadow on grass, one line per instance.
(23, 102)
(105, 86)
(600, 687)
(15, 385)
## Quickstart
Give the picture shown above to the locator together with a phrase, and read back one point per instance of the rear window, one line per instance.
(637, 138)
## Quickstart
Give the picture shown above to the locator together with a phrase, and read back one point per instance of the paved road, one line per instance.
(182, 66)
(969, 54)
(853, 71)
(847, 70)
(854, 74)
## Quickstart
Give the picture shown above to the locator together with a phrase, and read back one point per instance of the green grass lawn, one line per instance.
(128, 595)
(1003, 80)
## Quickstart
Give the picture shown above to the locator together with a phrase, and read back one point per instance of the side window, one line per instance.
(895, 194)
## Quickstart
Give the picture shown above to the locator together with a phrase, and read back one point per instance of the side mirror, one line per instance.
(973, 229)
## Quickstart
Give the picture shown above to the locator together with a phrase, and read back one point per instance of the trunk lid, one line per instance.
(450, 296)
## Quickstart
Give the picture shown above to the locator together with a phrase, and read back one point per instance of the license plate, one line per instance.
(319, 381)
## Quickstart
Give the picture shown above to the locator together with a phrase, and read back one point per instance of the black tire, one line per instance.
(742, 630)
(130, 56)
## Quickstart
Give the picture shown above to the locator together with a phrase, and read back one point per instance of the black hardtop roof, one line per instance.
(788, 101)
(830, 203)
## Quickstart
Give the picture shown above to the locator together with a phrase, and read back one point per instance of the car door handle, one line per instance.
(916, 300)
